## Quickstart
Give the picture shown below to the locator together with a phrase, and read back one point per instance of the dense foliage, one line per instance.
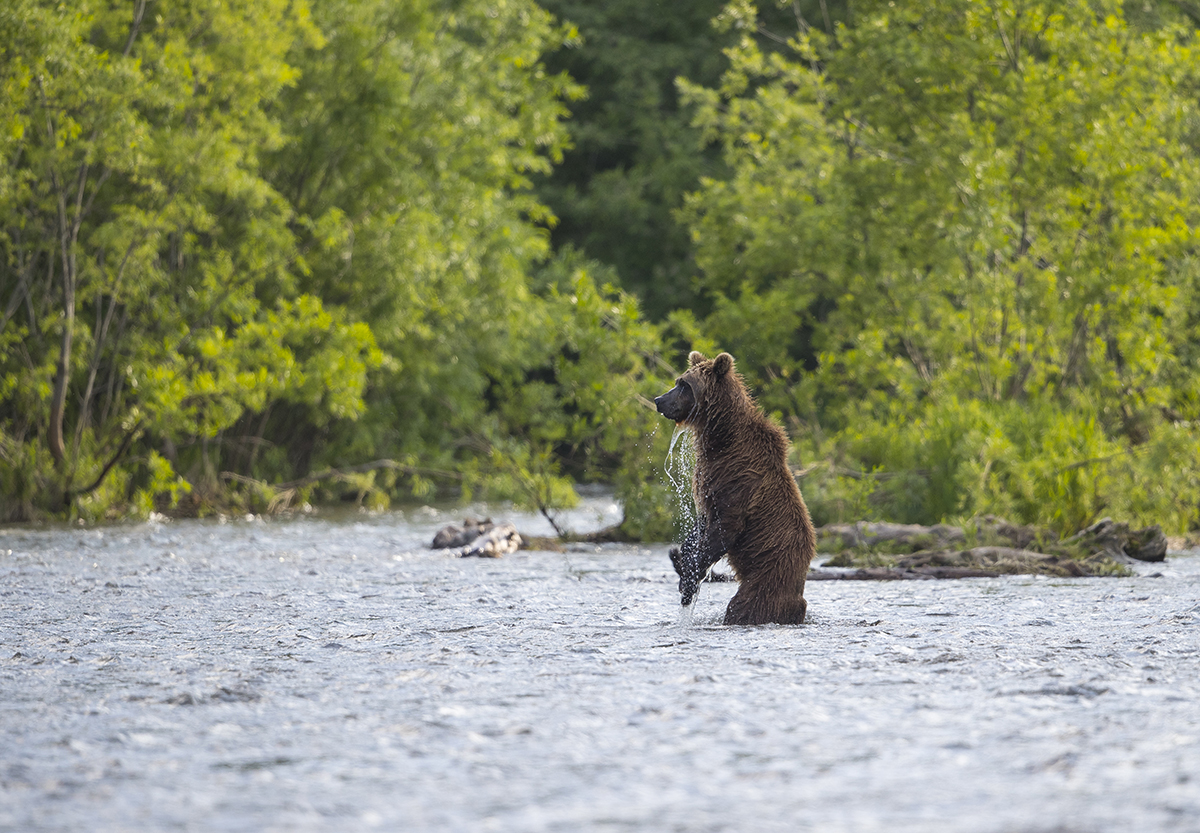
(956, 249)
(246, 241)
(148, 284)
(420, 244)
(635, 152)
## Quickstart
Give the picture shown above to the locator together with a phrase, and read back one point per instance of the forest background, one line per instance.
(260, 252)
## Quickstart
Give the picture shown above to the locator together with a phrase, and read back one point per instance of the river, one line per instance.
(331, 673)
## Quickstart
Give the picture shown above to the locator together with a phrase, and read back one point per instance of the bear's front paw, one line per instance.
(691, 573)
(677, 559)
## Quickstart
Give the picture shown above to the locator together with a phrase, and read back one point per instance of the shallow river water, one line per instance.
(334, 674)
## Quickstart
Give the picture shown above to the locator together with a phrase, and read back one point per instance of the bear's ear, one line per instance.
(694, 358)
(722, 364)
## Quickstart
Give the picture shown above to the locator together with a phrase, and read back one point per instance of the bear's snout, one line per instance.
(676, 404)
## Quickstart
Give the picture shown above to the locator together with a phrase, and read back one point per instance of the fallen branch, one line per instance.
(125, 443)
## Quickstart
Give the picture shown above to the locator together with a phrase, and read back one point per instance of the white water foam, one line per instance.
(687, 613)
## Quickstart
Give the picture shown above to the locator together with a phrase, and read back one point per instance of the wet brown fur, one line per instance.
(743, 486)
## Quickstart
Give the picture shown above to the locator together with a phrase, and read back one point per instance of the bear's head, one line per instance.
(705, 382)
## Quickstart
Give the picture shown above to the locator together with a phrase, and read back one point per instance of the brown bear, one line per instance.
(748, 505)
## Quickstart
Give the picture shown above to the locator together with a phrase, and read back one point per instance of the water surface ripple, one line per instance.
(333, 675)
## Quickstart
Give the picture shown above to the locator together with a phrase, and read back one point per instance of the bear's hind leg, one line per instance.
(793, 614)
(748, 607)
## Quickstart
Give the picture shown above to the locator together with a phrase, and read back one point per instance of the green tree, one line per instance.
(413, 131)
(147, 276)
(970, 229)
(634, 150)
(580, 403)
(243, 241)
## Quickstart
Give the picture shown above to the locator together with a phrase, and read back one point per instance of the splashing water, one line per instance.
(679, 473)
(682, 485)
(686, 613)
(668, 465)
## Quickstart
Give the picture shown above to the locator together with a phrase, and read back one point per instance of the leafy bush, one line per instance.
(954, 250)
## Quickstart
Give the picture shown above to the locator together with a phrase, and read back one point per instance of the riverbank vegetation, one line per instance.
(257, 253)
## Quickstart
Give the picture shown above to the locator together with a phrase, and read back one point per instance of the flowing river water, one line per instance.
(332, 673)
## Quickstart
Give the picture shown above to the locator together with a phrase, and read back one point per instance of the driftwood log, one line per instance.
(453, 536)
(478, 539)
(497, 541)
(988, 546)
(1118, 541)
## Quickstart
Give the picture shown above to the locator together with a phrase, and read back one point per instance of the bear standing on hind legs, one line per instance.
(748, 505)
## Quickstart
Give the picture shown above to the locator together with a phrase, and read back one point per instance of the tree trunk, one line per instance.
(62, 375)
